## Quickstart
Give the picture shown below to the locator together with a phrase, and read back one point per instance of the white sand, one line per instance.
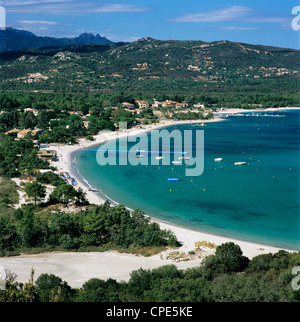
(76, 268)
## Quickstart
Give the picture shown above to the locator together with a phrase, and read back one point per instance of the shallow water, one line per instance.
(256, 202)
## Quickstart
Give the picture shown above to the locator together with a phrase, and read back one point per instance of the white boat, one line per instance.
(159, 158)
(184, 158)
(140, 156)
(239, 163)
(218, 159)
(176, 162)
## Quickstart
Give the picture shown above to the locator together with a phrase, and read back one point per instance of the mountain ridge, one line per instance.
(13, 40)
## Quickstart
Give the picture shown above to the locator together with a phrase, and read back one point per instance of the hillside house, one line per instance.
(142, 104)
(35, 131)
(12, 131)
(47, 154)
(168, 103)
(34, 111)
(79, 113)
(199, 105)
(181, 105)
(22, 134)
(157, 104)
(86, 124)
(128, 106)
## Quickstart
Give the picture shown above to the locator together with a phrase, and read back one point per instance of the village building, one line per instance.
(35, 131)
(128, 105)
(168, 103)
(181, 105)
(34, 111)
(47, 154)
(142, 104)
(79, 113)
(86, 124)
(22, 134)
(199, 105)
(12, 131)
(157, 104)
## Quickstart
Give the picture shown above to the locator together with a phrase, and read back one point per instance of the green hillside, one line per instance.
(152, 67)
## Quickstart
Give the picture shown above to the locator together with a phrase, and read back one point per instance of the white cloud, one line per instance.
(224, 14)
(13, 3)
(235, 14)
(237, 28)
(37, 22)
(68, 7)
(120, 8)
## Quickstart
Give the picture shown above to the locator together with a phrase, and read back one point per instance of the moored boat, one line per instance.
(239, 163)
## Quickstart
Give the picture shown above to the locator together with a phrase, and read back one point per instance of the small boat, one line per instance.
(139, 150)
(239, 163)
(184, 158)
(202, 124)
(93, 189)
(159, 158)
(218, 159)
(173, 179)
(140, 156)
(176, 162)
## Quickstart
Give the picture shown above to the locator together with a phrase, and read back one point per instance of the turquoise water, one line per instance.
(256, 202)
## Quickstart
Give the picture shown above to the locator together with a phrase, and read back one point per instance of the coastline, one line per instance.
(186, 236)
(78, 267)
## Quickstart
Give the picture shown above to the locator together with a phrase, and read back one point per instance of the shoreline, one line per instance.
(78, 267)
(187, 236)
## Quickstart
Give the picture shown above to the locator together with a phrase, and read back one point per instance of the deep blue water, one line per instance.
(256, 202)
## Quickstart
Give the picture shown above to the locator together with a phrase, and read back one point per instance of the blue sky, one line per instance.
(251, 21)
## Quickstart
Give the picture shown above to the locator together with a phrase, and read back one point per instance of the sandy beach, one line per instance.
(76, 268)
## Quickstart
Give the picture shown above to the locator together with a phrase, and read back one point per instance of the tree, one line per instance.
(230, 256)
(63, 193)
(51, 288)
(28, 120)
(17, 292)
(81, 197)
(35, 191)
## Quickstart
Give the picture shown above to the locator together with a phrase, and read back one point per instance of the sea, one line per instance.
(258, 201)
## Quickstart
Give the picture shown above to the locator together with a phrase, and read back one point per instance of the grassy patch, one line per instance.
(8, 192)
(139, 251)
(204, 243)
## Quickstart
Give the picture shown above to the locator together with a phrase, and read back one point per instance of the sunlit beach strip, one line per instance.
(138, 151)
